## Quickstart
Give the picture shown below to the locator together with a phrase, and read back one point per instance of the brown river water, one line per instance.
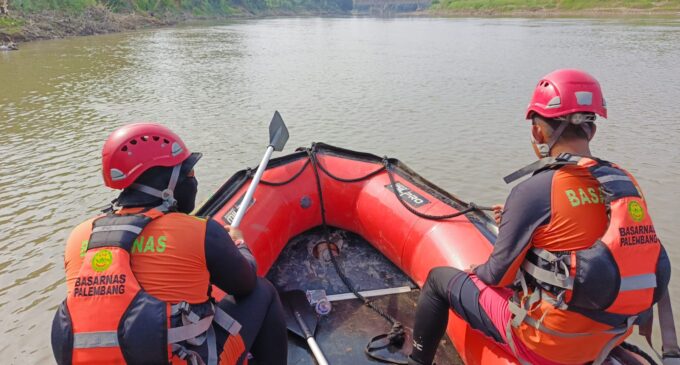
(446, 96)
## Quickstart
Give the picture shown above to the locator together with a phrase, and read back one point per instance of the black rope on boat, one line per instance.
(387, 167)
(281, 183)
(636, 350)
(396, 336)
(358, 179)
(471, 206)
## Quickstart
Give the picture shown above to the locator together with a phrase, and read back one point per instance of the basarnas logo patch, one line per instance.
(636, 212)
(102, 260)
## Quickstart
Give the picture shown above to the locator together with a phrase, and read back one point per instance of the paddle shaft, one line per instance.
(316, 351)
(318, 355)
(243, 207)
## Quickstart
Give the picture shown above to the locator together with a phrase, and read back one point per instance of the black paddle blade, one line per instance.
(300, 317)
(278, 133)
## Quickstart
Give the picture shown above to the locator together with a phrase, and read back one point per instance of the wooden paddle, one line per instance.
(301, 320)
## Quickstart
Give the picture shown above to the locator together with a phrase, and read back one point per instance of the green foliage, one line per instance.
(37, 5)
(10, 25)
(510, 5)
(226, 7)
(196, 7)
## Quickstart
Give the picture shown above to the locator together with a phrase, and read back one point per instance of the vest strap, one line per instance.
(562, 159)
(191, 357)
(670, 348)
(212, 346)
(604, 353)
(121, 227)
(227, 322)
(186, 332)
(559, 280)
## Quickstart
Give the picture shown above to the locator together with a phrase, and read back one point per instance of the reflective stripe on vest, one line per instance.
(88, 340)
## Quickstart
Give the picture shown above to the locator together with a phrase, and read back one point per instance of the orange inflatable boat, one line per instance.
(389, 226)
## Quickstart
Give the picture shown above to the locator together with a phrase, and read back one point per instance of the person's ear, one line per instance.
(537, 133)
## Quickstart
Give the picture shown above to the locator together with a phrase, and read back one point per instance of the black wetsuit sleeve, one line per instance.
(526, 209)
(229, 269)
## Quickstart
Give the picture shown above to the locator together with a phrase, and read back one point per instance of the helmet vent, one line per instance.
(133, 142)
(176, 149)
(124, 149)
(554, 102)
(156, 138)
(117, 175)
(144, 138)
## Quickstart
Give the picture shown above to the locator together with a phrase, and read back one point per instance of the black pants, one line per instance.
(264, 325)
(446, 288)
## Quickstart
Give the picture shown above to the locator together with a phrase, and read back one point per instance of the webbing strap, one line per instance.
(528, 169)
(549, 277)
(119, 227)
(557, 133)
(609, 178)
(168, 194)
(88, 340)
(638, 282)
(563, 159)
(184, 309)
(604, 353)
(148, 190)
(545, 254)
(513, 347)
(212, 347)
(522, 313)
(669, 338)
(191, 357)
(186, 332)
(227, 322)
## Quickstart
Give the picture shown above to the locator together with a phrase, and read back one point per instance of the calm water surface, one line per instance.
(444, 95)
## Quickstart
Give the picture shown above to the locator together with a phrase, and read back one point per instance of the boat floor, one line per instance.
(346, 330)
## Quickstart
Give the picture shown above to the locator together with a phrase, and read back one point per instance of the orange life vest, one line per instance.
(108, 318)
(613, 282)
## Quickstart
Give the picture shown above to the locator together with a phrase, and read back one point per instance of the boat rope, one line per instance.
(396, 336)
(281, 183)
(358, 179)
(388, 167)
(471, 206)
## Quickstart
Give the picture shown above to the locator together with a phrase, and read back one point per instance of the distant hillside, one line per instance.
(28, 20)
(554, 5)
(197, 7)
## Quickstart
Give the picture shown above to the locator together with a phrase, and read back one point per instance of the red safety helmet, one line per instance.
(567, 91)
(132, 149)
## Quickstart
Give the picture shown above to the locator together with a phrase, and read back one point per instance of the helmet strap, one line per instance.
(544, 148)
(166, 195)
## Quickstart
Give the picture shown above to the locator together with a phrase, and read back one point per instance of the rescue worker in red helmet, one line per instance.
(139, 277)
(577, 261)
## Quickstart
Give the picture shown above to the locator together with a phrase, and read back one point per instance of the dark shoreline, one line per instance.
(100, 20)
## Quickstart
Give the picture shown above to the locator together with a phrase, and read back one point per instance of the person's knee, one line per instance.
(439, 278)
(264, 290)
